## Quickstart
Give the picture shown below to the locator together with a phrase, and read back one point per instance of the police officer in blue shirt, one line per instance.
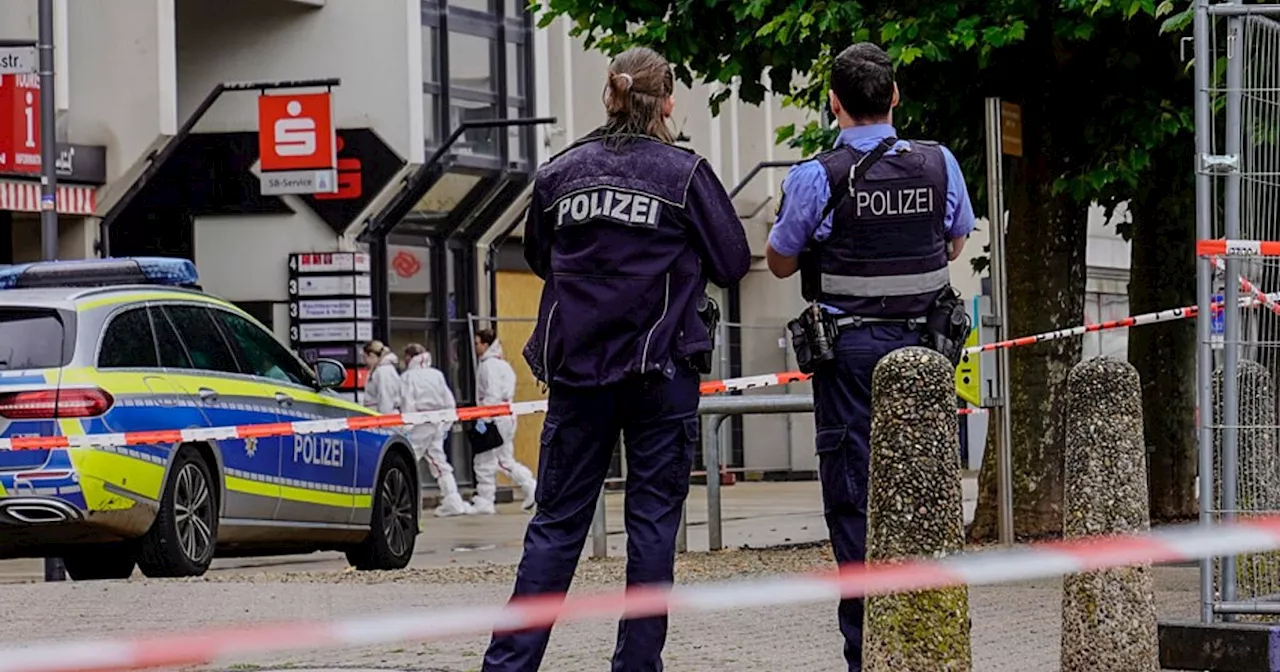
(871, 225)
(625, 229)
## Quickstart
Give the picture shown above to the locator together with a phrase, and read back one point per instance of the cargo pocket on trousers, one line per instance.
(842, 471)
(686, 442)
(549, 462)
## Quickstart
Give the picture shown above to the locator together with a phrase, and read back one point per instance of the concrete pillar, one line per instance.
(1257, 474)
(914, 510)
(1108, 616)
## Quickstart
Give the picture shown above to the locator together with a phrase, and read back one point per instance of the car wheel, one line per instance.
(100, 562)
(393, 527)
(184, 535)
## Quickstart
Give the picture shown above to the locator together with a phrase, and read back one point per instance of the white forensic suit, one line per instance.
(382, 389)
(496, 384)
(424, 389)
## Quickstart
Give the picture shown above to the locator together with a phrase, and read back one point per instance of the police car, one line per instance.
(131, 344)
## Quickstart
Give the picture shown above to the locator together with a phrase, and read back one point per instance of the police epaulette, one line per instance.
(651, 139)
(595, 136)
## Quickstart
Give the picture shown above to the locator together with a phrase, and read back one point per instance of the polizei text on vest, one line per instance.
(632, 209)
(891, 202)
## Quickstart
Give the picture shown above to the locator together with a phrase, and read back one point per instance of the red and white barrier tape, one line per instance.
(1237, 248)
(258, 431)
(231, 432)
(526, 407)
(1249, 288)
(1169, 315)
(208, 646)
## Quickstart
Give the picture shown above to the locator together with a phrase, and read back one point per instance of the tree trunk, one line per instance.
(1045, 257)
(1162, 276)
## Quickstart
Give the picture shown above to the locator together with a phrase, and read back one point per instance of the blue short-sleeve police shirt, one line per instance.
(806, 193)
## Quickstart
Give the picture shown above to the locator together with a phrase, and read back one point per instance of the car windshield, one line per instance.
(31, 339)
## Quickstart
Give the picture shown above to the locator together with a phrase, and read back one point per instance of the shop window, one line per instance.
(474, 140)
(431, 118)
(412, 305)
(516, 136)
(471, 62)
(473, 5)
(517, 68)
(430, 54)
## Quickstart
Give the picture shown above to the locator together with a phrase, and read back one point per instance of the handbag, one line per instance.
(484, 440)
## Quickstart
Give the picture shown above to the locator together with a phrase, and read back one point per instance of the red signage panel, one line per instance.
(295, 132)
(20, 123)
(350, 177)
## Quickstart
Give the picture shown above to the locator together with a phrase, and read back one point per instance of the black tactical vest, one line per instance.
(886, 256)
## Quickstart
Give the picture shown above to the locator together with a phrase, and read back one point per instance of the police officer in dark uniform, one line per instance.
(625, 229)
(871, 225)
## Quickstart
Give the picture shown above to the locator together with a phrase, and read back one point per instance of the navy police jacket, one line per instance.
(626, 237)
(886, 256)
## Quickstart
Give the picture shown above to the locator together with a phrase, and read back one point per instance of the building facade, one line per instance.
(431, 103)
(443, 110)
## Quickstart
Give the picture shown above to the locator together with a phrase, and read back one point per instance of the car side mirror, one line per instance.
(330, 373)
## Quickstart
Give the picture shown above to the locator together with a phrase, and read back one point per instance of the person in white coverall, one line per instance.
(424, 389)
(382, 390)
(496, 384)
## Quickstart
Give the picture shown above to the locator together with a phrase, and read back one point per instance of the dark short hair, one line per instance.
(486, 336)
(862, 78)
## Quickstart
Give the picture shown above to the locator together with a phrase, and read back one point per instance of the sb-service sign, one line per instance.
(297, 145)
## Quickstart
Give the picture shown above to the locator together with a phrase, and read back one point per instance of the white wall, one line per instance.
(379, 61)
(246, 258)
(374, 47)
(138, 68)
(119, 70)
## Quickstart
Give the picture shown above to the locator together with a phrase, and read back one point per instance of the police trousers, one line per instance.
(842, 417)
(657, 418)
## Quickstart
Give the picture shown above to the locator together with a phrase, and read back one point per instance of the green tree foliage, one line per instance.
(1106, 117)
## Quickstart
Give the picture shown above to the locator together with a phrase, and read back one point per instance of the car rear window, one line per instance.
(33, 339)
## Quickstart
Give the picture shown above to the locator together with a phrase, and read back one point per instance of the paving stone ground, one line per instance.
(1016, 628)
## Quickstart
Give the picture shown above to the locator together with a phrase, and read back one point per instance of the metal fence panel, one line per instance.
(1239, 196)
(771, 442)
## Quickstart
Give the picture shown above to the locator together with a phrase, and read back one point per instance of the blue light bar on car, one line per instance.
(101, 273)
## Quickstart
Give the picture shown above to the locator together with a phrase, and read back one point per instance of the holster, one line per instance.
(709, 313)
(813, 337)
(947, 325)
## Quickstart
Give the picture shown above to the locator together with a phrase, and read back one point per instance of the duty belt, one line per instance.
(855, 321)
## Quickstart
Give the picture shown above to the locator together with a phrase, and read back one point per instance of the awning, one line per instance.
(21, 196)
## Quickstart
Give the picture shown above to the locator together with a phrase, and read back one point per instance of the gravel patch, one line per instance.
(690, 568)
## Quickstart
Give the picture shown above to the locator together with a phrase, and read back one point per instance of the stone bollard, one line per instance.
(1108, 616)
(1257, 474)
(914, 509)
